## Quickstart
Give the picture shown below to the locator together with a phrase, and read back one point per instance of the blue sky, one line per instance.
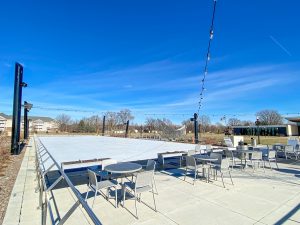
(148, 56)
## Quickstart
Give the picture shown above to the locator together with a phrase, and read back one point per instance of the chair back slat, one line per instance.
(218, 156)
(190, 162)
(150, 165)
(289, 148)
(92, 178)
(144, 178)
(271, 154)
(256, 155)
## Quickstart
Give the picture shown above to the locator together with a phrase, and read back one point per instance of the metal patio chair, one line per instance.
(97, 186)
(233, 160)
(143, 183)
(191, 164)
(270, 157)
(257, 159)
(221, 165)
(290, 151)
(151, 165)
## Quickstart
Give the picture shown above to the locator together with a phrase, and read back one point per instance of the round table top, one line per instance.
(205, 158)
(123, 167)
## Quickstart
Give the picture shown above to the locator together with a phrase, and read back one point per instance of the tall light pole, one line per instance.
(257, 123)
(103, 126)
(127, 127)
(195, 120)
(16, 120)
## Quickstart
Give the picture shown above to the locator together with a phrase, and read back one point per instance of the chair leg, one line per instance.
(116, 197)
(185, 173)
(94, 198)
(124, 196)
(276, 164)
(222, 179)
(136, 212)
(154, 200)
(231, 178)
(87, 193)
(263, 165)
(195, 177)
(107, 193)
(155, 186)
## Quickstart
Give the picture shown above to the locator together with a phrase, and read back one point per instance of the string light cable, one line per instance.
(211, 35)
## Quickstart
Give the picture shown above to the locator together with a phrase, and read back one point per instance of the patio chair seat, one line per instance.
(131, 185)
(105, 184)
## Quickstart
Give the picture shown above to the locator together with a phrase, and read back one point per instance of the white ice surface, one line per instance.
(72, 148)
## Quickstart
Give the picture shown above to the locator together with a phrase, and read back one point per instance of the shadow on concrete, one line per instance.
(289, 171)
(288, 216)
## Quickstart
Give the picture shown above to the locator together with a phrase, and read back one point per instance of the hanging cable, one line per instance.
(211, 35)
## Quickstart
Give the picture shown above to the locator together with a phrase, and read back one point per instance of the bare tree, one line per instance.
(234, 122)
(247, 123)
(63, 121)
(111, 120)
(150, 124)
(204, 122)
(269, 117)
(124, 115)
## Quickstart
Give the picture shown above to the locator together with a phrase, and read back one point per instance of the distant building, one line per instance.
(267, 130)
(36, 123)
(5, 122)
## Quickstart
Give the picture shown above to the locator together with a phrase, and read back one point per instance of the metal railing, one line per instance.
(42, 157)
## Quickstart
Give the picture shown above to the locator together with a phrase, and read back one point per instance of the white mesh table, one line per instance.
(123, 167)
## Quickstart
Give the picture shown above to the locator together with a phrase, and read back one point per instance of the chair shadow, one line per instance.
(289, 171)
(91, 194)
(288, 215)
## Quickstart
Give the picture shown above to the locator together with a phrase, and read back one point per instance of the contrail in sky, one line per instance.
(280, 45)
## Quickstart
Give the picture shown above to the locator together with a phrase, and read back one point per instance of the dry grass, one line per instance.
(4, 153)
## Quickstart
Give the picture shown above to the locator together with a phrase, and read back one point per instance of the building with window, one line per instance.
(36, 124)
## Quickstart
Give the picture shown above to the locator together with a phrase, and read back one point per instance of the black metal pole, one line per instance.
(25, 121)
(103, 126)
(127, 127)
(257, 122)
(196, 127)
(258, 134)
(16, 120)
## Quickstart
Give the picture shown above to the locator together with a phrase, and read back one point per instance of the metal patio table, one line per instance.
(245, 155)
(204, 159)
(123, 168)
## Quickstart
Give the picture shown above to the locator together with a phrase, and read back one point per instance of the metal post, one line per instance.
(103, 126)
(25, 121)
(16, 120)
(257, 123)
(195, 119)
(27, 107)
(127, 127)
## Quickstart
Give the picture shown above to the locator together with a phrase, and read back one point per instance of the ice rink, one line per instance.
(72, 148)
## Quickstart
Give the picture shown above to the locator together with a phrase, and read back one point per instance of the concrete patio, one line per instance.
(270, 197)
